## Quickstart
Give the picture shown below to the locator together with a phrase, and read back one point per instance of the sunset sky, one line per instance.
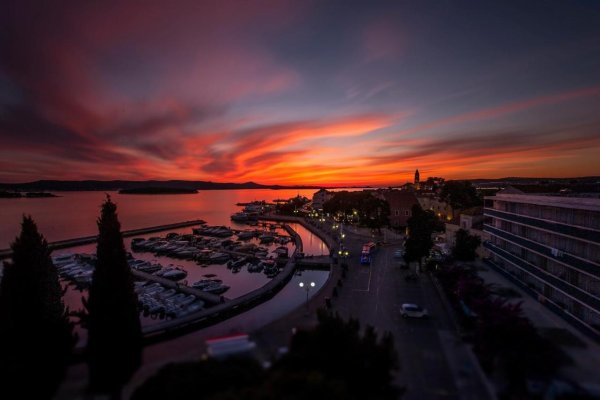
(299, 92)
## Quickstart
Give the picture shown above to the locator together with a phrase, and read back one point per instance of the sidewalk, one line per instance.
(585, 355)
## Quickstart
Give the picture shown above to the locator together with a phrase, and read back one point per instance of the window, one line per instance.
(406, 213)
(397, 213)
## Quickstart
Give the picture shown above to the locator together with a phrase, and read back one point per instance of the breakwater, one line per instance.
(62, 244)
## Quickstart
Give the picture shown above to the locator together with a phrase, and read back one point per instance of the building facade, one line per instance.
(430, 201)
(320, 197)
(417, 180)
(552, 245)
(401, 203)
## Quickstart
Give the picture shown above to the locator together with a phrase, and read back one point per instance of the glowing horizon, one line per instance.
(298, 93)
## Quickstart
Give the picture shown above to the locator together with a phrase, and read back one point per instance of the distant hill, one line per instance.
(91, 185)
(158, 190)
(538, 181)
(566, 186)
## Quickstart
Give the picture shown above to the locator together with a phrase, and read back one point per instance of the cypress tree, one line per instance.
(114, 333)
(36, 336)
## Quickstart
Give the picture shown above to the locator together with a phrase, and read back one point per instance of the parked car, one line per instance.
(398, 253)
(413, 311)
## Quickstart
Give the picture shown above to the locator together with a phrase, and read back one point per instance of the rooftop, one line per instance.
(580, 203)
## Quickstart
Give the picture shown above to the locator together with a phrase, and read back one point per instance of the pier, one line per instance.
(204, 296)
(316, 262)
(61, 244)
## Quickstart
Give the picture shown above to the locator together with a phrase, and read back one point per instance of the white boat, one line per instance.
(216, 288)
(175, 274)
(266, 238)
(218, 258)
(195, 306)
(202, 283)
(282, 251)
(239, 217)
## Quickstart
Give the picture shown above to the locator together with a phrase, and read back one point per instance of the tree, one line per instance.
(421, 226)
(292, 206)
(333, 361)
(114, 332)
(466, 246)
(36, 336)
(434, 182)
(337, 353)
(460, 195)
(201, 380)
(371, 211)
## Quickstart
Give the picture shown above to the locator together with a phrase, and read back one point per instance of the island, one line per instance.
(18, 195)
(158, 190)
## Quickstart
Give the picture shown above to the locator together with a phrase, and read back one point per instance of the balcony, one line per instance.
(564, 258)
(557, 227)
(572, 291)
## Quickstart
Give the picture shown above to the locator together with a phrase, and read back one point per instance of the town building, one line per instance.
(550, 244)
(320, 197)
(430, 201)
(401, 203)
(417, 180)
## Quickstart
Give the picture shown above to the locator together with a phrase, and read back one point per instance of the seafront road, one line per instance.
(435, 363)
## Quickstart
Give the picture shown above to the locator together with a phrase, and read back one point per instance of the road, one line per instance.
(373, 294)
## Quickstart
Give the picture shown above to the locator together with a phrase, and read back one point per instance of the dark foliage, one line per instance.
(504, 340)
(36, 337)
(370, 211)
(421, 226)
(292, 206)
(114, 332)
(460, 195)
(336, 351)
(332, 362)
(434, 182)
(466, 246)
(201, 380)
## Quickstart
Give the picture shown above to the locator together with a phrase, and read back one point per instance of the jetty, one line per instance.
(314, 263)
(61, 244)
(207, 297)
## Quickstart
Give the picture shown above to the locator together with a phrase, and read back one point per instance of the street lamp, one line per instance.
(307, 287)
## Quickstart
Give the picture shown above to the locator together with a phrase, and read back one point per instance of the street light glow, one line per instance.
(306, 287)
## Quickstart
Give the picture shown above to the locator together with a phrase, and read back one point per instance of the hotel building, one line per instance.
(551, 245)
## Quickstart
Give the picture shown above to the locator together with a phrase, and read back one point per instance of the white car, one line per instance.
(413, 311)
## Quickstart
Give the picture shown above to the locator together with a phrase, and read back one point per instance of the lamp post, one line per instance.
(307, 287)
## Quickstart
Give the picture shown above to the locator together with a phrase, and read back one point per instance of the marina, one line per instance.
(228, 267)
